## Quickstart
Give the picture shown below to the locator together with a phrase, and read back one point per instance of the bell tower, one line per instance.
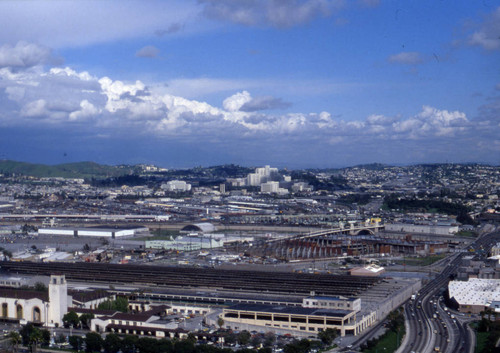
(58, 299)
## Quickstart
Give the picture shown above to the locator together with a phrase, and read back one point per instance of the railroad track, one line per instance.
(166, 276)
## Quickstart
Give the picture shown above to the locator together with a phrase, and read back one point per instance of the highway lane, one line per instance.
(431, 328)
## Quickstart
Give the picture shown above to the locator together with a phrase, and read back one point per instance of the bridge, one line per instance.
(353, 229)
(358, 238)
(322, 243)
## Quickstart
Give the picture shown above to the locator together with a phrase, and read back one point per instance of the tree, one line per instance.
(70, 319)
(15, 338)
(34, 339)
(85, 320)
(40, 287)
(255, 341)
(220, 322)
(112, 343)
(61, 338)
(165, 345)
(119, 304)
(230, 338)
(93, 342)
(269, 339)
(129, 344)
(45, 341)
(25, 333)
(244, 337)
(7, 254)
(192, 337)
(184, 346)
(301, 346)
(76, 342)
(327, 336)
(147, 345)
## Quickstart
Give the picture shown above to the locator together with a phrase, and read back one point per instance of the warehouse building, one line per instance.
(475, 295)
(93, 232)
(438, 229)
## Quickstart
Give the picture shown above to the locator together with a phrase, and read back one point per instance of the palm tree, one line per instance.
(489, 312)
(15, 338)
(35, 338)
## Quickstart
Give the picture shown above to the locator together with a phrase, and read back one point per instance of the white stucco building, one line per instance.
(36, 306)
(176, 185)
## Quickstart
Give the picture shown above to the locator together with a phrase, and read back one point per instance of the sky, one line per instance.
(290, 83)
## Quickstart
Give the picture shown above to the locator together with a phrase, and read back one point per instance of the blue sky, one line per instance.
(292, 83)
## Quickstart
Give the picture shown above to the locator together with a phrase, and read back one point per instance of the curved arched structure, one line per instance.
(199, 227)
(19, 311)
(37, 315)
(365, 232)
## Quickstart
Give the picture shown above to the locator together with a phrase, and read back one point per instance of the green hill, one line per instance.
(67, 170)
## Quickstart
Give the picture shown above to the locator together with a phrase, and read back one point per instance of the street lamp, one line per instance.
(46, 314)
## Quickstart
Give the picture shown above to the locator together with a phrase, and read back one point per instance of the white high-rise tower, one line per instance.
(58, 299)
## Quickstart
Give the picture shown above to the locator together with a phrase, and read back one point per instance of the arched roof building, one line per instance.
(204, 227)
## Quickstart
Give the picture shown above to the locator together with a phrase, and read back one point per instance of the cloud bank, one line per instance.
(276, 13)
(488, 35)
(32, 96)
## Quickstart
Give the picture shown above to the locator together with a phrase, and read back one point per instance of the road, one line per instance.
(430, 326)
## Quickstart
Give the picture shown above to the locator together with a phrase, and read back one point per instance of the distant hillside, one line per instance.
(371, 166)
(67, 170)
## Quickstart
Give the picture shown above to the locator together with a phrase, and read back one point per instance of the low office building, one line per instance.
(335, 303)
(287, 319)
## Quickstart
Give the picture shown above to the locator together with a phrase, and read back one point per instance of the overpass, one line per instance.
(352, 230)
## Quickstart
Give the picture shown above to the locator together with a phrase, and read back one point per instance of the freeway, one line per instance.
(430, 326)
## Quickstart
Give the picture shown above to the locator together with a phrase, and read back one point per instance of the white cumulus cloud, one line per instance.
(236, 101)
(23, 55)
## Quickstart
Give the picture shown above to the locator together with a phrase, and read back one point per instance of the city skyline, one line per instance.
(302, 83)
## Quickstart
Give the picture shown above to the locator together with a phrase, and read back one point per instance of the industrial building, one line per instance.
(370, 271)
(438, 229)
(475, 295)
(93, 232)
(185, 243)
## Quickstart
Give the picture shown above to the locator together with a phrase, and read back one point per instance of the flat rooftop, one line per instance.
(292, 310)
